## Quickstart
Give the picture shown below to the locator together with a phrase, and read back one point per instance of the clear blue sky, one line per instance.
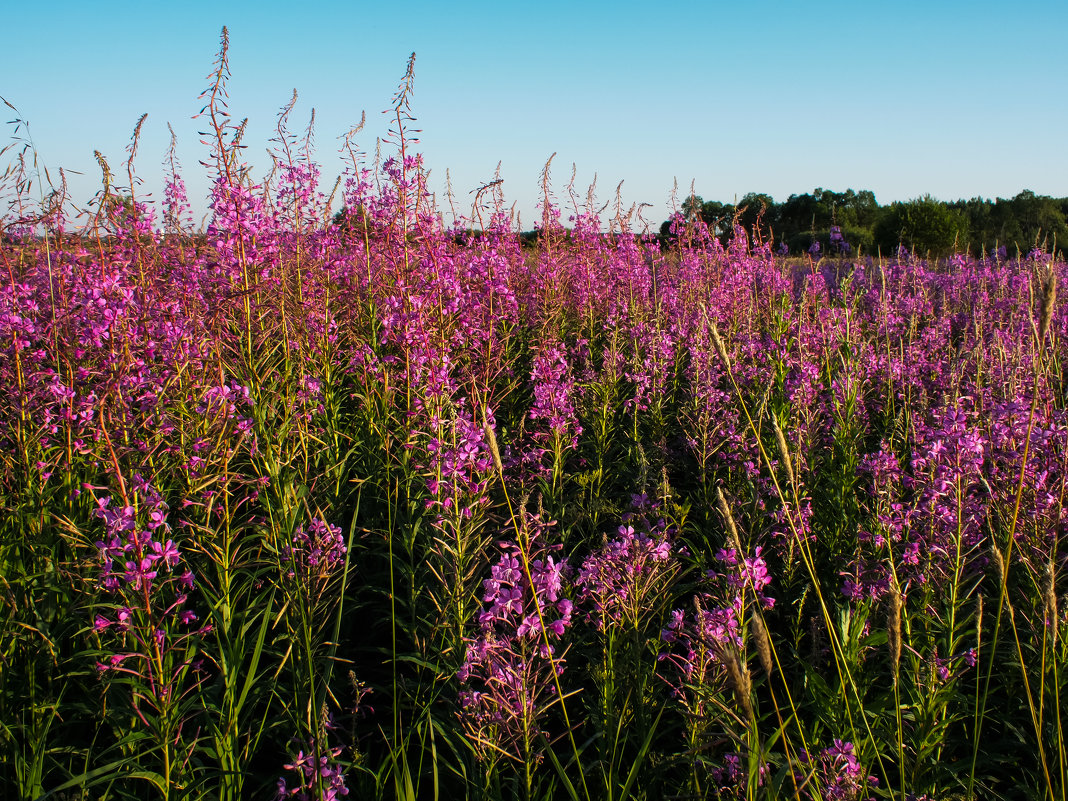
(955, 99)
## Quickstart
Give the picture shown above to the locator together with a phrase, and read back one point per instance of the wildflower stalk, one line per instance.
(1005, 560)
(807, 558)
(522, 534)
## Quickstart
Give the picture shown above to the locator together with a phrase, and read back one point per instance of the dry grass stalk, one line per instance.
(784, 453)
(759, 631)
(1049, 300)
(728, 521)
(894, 630)
(721, 349)
(491, 438)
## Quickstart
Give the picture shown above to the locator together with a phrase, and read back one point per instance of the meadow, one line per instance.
(313, 504)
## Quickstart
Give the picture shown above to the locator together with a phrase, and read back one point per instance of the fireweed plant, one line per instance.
(332, 498)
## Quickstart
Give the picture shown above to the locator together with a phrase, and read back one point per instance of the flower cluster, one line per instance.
(511, 667)
(747, 573)
(132, 555)
(708, 647)
(621, 580)
(837, 773)
(317, 775)
(459, 463)
(731, 777)
(554, 399)
(525, 595)
(316, 551)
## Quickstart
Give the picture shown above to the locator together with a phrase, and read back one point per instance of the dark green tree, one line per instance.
(925, 226)
(758, 213)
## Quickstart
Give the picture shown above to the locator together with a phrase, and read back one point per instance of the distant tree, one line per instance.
(691, 207)
(982, 231)
(1019, 223)
(717, 216)
(1040, 219)
(804, 213)
(804, 219)
(925, 226)
(757, 207)
(859, 209)
(353, 222)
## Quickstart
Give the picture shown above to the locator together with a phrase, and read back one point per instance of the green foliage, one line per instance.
(924, 226)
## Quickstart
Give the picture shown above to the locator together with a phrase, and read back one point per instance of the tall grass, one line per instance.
(315, 503)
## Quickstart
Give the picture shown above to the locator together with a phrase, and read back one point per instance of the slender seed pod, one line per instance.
(721, 349)
(728, 521)
(494, 451)
(894, 631)
(1049, 300)
(784, 452)
(759, 632)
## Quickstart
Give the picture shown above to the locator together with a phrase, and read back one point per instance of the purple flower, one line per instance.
(168, 552)
(318, 777)
(839, 773)
(316, 551)
(509, 668)
(620, 581)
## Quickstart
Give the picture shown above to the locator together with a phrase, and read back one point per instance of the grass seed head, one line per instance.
(1049, 599)
(759, 631)
(784, 452)
(721, 349)
(491, 438)
(738, 678)
(1049, 300)
(894, 630)
(728, 521)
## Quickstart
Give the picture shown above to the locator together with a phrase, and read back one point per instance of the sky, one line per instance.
(953, 99)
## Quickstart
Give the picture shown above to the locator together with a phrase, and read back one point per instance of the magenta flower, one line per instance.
(621, 580)
(509, 669)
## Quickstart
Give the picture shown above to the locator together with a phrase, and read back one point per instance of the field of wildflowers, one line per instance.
(307, 507)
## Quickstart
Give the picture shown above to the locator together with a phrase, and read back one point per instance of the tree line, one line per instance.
(830, 222)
